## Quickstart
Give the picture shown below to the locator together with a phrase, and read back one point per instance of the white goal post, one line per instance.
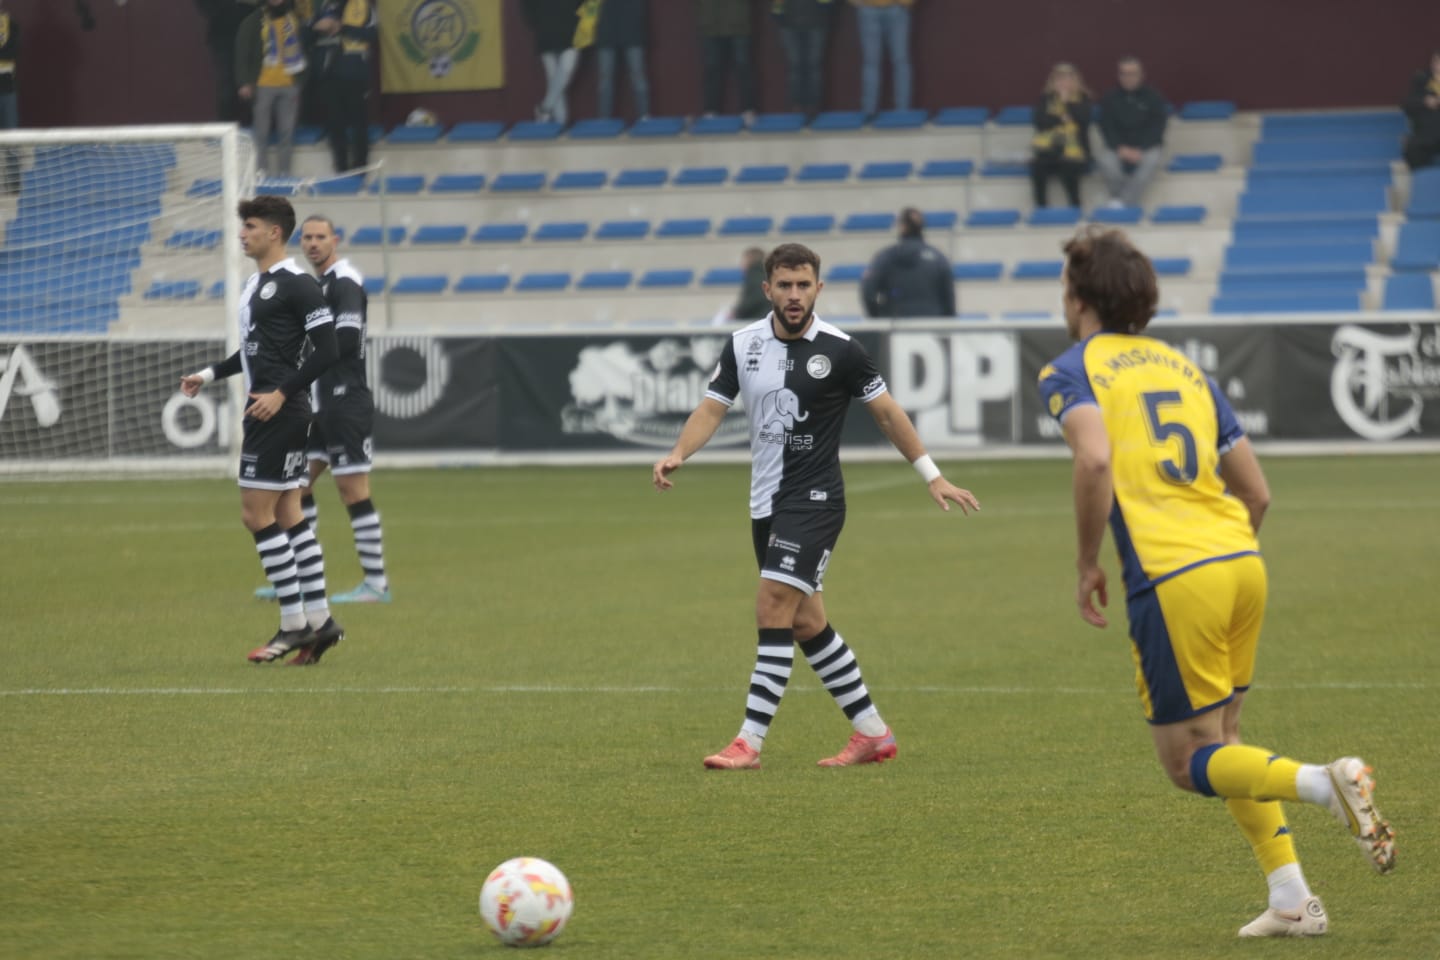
(120, 270)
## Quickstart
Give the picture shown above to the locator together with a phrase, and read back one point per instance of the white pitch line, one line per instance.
(527, 688)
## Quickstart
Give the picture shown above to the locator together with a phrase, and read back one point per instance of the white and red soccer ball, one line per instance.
(526, 901)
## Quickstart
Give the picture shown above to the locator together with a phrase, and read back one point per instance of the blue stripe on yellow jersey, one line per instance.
(1168, 424)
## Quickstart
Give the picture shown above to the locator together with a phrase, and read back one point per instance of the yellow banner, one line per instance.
(428, 45)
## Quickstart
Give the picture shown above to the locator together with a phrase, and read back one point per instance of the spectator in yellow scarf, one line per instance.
(1061, 145)
(270, 68)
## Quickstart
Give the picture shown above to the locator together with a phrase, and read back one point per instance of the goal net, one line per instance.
(119, 269)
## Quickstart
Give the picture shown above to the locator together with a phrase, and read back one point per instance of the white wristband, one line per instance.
(926, 468)
(207, 375)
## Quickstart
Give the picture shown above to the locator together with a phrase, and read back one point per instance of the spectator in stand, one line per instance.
(346, 34)
(270, 66)
(1132, 121)
(1422, 106)
(753, 303)
(553, 22)
(1061, 147)
(9, 98)
(804, 25)
(909, 278)
(222, 23)
(725, 37)
(884, 28)
(622, 29)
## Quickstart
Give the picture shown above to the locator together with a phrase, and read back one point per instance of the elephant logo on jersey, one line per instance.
(1379, 383)
(19, 376)
(779, 412)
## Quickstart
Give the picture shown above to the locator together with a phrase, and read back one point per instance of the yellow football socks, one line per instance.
(1263, 824)
(1248, 772)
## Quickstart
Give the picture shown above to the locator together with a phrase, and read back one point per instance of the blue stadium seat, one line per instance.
(406, 184)
(887, 170)
(867, 222)
(204, 188)
(561, 230)
(746, 226)
(941, 219)
(701, 176)
(846, 273)
(778, 123)
(374, 285)
(1171, 266)
(658, 127)
(1418, 246)
(1321, 152)
(1178, 213)
(458, 183)
(217, 290)
(1054, 217)
(722, 125)
(1020, 115)
(605, 280)
(1116, 215)
(475, 131)
(278, 187)
(1005, 168)
(1409, 291)
(1317, 256)
(483, 283)
(1196, 163)
(307, 135)
(763, 173)
(684, 227)
(1424, 194)
(1288, 279)
(500, 233)
(962, 117)
(722, 277)
(901, 119)
(647, 177)
(426, 283)
(1290, 303)
(823, 173)
(597, 129)
(535, 130)
(977, 271)
(946, 169)
(414, 133)
(544, 282)
(579, 180)
(1037, 270)
(992, 218)
(347, 186)
(808, 223)
(657, 279)
(1207, 110)
(438, 234)
(371, 236)
(623, 230)
(1329, 125)
(517, 182)
(838, 120)
(196, 239)
(173, 290)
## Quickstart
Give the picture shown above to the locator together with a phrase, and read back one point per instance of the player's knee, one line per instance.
(1177, 768)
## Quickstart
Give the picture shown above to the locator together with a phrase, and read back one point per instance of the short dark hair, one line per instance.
(1104, 271)
(791, 256)
(319, 218)
(272, 209)
(912, 223)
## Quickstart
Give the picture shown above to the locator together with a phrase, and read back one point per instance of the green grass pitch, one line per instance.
(566, 644)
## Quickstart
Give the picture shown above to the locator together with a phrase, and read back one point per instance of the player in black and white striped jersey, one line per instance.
(797, 375)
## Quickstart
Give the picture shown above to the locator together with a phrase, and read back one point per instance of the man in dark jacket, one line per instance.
(804, 25)
(622, 29)
(725, 37)
(909, 278)
(347, 31)
(1422, 106)
(1132, 123)
(753, 304)
(9, 97)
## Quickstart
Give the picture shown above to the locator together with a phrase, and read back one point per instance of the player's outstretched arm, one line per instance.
(895, 423)
(699, 427)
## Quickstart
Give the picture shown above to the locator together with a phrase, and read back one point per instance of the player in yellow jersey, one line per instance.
(1158, 452)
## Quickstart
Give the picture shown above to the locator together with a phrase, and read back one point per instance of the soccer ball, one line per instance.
(525, 902)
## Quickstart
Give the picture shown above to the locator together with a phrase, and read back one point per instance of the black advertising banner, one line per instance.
(434, 393)
(615, 392)
(53, 400)
(149, 416)
(1369, 381)
(1242, 360)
